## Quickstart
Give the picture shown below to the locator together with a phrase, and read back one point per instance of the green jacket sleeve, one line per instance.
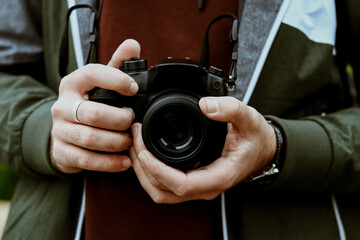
(26, 94)
(25, 124)
(322, 153)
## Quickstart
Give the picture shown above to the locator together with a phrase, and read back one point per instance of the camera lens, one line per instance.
(175, 129)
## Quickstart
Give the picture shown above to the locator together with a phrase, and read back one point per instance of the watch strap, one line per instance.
(268, 174)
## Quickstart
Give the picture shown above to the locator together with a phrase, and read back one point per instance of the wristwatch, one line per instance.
(268, 174)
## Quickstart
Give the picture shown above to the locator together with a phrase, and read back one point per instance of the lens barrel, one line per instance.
(175, 130)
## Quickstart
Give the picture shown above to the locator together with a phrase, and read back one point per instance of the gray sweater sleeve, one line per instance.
(20, 32)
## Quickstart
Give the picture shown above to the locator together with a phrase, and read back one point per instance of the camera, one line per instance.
(167, 104)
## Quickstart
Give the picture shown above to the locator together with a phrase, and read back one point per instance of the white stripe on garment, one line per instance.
(75, 31)
(315, 18)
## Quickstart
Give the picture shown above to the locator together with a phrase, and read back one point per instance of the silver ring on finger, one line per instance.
(75, 109)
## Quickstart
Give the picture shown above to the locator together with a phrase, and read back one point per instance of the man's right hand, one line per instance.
(96, 142)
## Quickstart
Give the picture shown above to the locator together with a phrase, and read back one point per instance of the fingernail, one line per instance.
(131, 111)
(212, 105)
(126, 163)
(134, 87)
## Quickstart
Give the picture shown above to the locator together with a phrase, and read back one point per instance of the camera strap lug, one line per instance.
(204, 59)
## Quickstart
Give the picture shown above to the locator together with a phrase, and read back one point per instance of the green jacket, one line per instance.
(298, 83)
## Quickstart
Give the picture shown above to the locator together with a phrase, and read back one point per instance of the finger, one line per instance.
(185, 185)
(140, 146)
(104, 116)
(93, 114)
(161, 196)
(138, 141)
(246, 123)
(224, 109)
(84, 79)
(93, 138)
(142, 174)
(157, 194)
(197, 184)
(129, 49)
(70, 159)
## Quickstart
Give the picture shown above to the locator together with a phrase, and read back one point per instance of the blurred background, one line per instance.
(8, 180)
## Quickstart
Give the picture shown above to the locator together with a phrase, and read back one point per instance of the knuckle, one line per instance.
(123, 142)
(76, 135)
(86, 72)
(58, 159)
(86, 139)
(252, 112)
(56, 110)
(154, 182)
(88, 69)
(156, 173)
(55, 151)
(94, 117)
(255, 118)
(238, 111)
(112, 147)
(56, 132)
(183, 191)
(80, 161)
(83, 138)
(64, 83)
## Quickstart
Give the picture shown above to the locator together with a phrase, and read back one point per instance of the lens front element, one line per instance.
(175, 129)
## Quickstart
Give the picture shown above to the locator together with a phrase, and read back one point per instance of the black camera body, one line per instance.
(167, 104)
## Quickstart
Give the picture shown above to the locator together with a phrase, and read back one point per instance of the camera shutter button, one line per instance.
(134, 65)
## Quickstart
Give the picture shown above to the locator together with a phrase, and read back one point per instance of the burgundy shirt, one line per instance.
(116, 205)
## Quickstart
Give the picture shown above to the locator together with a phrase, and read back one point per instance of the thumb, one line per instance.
(223, 109)
(127, 50)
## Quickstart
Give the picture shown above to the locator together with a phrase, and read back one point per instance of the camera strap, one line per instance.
(64, 46)
(205, 52)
